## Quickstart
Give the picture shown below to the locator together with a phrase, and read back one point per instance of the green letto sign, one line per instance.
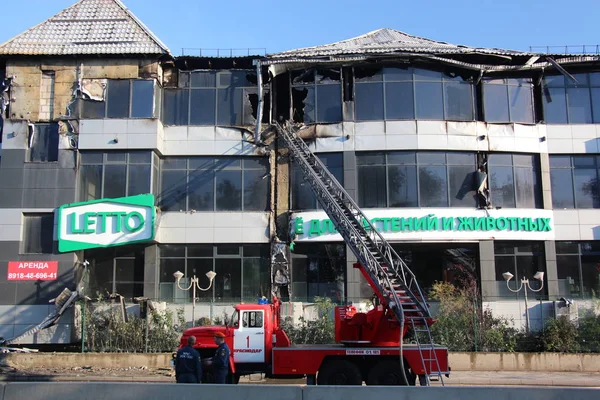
(106, 223)
(317, 227)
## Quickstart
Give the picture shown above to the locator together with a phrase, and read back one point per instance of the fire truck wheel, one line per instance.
(339, 372)
(387, 373)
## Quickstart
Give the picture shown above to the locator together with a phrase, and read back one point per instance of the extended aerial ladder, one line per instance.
(389, 276)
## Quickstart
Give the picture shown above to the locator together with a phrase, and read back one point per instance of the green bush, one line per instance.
(589, 332)
(560, 335)
(318, 331)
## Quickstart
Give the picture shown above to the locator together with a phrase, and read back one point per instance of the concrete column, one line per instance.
(151, 271)
(551, 270)
(350, 177)
(487, 266)
(546, 183)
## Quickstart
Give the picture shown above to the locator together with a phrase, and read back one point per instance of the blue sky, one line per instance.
(282, 25)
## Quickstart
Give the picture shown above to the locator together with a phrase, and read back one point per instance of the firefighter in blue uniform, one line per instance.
(220, 363)
(187, 364)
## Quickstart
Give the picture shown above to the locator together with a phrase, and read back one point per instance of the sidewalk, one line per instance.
(458, 378)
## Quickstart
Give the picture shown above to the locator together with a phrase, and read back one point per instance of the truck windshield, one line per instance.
(235, 319)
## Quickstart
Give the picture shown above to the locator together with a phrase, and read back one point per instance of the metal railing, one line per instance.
(224, 53)
(592, 49)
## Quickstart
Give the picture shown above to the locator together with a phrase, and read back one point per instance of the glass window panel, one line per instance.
(176, 106)
(329, 103)
(229, 107)
(117, 98)
(184, 79)
(462, 188)
(580, 108)
(504, 248)
(172, 250)
(228, 163)
(199, 267)
(402, 183)
(253, 250)
(527, 267)
(399, 100)
(115, 178)
(202, 107)
(174, 190)
(504, 264)
(560, 161)
(584, 161)
(302, 194)
(90, 182)
(500, 159)
(429, 100)
(304, 104)
(139, 179)
(256, 190)
(45, 143)
(461, 159)
(369, 101)
(140, 157)
(259, 163)
(495, 103)
(201, 163)
(228, 249)
(200, 250)
(201, 190)
(567, 247)
(521, 103)
(596, 105)
(92, 109)
(554, 81)
(101, 275)
(127, 270)
(372, 186)
(257, 282)
(398, 74)
(38, 232)
(590, 247)
(401, 157)
(586, 188)
(595, 79)
(116, 157)
(561, 181)
(525, 160)
(555, 105)
(370, 158)
(142, 100)
(91, 157)
(228, 282)
(526, 185)
(582, 80)
(502, 187)
(459, 101)
(203, 79)
(174, 163)
(228, 190)
(590, 276)
(427, 75)
(425, 157)
(433, 187)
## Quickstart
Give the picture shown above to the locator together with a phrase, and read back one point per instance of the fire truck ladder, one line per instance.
(392, 280)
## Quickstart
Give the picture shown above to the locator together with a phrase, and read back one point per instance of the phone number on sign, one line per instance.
(38, 275)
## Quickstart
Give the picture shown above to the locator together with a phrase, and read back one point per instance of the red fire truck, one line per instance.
(370, 346)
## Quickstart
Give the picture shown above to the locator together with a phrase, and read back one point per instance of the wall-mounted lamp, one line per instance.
(115, 140)
(481, 137)
(543, 139)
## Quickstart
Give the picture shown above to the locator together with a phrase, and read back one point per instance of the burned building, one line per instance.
(472, 162)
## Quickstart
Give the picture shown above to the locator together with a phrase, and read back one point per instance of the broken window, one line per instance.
(214, 98)
(400, 94)
(43, 143)
(122, 98)
(508, 100)
(567, 102)
(38, 233)
(317, 95)
(514, 180)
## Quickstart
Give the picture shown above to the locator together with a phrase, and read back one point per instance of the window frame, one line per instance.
(444, 81)
(507, 85)
(127, 163)
(514, 254)
(263, 255)
(590, 84)
(537, 197)
(579, 254)
(315, 87)
(52, 130)
(155, 90)
(46, 246)
(417, 165)
(595, 198)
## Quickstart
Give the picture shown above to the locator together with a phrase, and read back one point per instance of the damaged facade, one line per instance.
(457, 153)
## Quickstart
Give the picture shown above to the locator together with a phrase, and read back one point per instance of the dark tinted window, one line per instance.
(508, 100)
(44, 143)
(117, 99)
(514, 180)
(574, 181)
(568, 102)
(38, 233)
